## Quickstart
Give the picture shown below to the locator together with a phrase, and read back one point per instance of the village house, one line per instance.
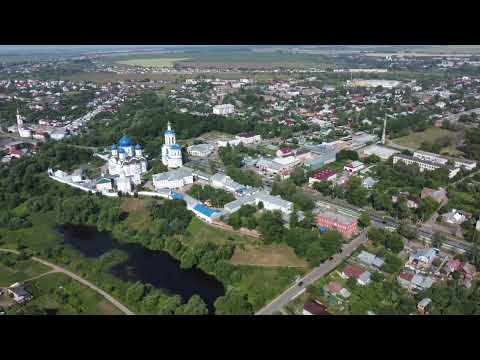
(439, 195)
(423, 305)
(362, 276)
(421, 258)
(335, 289)
(415, 282)
(370, 259)
(314, 308)
(456, 217)
(19, 294)
(369, 182)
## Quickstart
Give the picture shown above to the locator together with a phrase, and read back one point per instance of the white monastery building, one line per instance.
(127, 160)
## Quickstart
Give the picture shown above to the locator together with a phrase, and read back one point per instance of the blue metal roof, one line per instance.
(204, 210)
(121, 151)
(175, 146)
(176, 196)
(138, 147)
(169, 132)
(114, 147)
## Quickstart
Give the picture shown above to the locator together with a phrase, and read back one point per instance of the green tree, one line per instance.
(188, 259)
(194, 306)
(364, 220)
(233, 303)
(136, 292)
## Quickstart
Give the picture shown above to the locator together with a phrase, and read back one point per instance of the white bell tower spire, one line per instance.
(19, 120)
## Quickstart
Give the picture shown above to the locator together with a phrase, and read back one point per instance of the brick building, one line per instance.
(344, 225)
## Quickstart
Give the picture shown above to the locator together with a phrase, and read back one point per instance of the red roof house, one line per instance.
(334, 287)
(313, 308)
(352, 271)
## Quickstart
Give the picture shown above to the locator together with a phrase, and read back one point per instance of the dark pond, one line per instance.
(147, 266)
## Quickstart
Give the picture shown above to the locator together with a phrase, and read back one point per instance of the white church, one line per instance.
(127, 161)
(23, 130)
(171, 151)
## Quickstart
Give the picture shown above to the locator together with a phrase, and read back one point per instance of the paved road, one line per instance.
(313, 276)
(81, 280)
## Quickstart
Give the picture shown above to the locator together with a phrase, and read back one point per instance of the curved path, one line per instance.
(81, 280)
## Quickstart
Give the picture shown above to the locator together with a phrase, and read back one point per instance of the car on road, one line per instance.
(300, 283)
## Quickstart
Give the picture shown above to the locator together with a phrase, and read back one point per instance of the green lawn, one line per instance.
(61, 295)
(20, 271)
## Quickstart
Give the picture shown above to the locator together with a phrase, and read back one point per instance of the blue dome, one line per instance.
(169, 132)
(125, 141)
(121, 151)
(114, 147)
(138, 147)
(176, 147)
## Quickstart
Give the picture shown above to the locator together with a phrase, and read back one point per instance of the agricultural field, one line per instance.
(104, 77)
(431, 135)
(153, 62)
(228, 58)
(58, 294)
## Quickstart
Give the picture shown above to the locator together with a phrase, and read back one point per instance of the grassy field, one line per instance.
(40, 236)
(264, 284)
(201, 232)
(58, 294)
(271, 255)
(414, 140)
(20, 271)
(451, 151)
(138, 214)
(152, 62)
